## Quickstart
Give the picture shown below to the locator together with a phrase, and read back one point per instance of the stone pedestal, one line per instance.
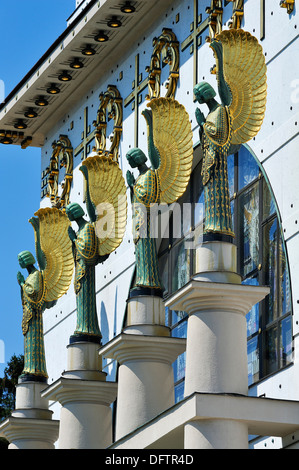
(216, 351)
(30, 425)
(85, 398)
(145, 353)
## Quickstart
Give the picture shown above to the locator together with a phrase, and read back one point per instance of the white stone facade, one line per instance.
(276, 147)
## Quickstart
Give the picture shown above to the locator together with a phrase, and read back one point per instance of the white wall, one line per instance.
(276, 146)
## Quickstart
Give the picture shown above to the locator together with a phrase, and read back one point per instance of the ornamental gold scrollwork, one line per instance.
(111, 103)
(288, 4)
(167, 42)
(238, 13)
(215, 12)
(62, 157)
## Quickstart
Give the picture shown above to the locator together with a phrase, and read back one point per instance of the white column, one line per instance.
(145, 353)
(30, 425)
(85, 397)
(216, 351)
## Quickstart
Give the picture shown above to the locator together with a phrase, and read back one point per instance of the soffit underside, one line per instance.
(78, 35)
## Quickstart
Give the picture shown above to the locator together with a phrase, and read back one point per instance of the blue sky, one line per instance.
(27, 30)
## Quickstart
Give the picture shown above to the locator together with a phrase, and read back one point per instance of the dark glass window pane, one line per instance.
(167, 316)
(270, 268)
(198, 196)
(253, 360)
(163, 266)
(268, 201)
(232, 208)
(180, 266)
(271, 350)
(249, 230)
(181, 214)
(252, 317)
(180, 331)
(286, 341)
(231, 174)
(178, 315)
(248, 168)
(179, 392)
(179, 367)
(285, 293)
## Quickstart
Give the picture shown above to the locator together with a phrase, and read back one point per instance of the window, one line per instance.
(261, 261)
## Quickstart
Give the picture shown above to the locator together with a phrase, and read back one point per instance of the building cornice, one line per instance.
(57, 59)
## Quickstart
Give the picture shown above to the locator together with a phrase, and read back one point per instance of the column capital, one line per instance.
(41, 432)
(67, 390)
(204, 296)
(128, 347)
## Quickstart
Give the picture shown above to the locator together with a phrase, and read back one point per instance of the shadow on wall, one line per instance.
(104, 326)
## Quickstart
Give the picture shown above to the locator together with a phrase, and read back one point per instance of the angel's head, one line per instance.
(26, 259)
(204, 92)
(136, 157)
(74, 211)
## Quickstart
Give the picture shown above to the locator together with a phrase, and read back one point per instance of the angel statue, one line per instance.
(42, 288)
(95, 238)
(170, 151)
(242, 86)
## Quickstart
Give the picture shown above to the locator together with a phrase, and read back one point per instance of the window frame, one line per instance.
(263, 327)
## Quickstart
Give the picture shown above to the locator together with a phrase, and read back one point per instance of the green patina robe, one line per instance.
(33, 300)
(86, 257)
(146, 193)
(216, 145)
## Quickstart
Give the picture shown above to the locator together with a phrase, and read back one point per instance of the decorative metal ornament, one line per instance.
(238, 13)
(215, 12)
(111, 106)
(170, 151)
(96, 238)
(168, 44)
(88, 51)
(14, 137)
(242, 87)
(288, 4)
(44, 286)
(62, 157)
(30, 113)
(53, 89)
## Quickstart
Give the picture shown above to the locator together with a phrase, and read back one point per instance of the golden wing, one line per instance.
(172, 136)
(57, 249)
(244, 70)
(107, 191)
